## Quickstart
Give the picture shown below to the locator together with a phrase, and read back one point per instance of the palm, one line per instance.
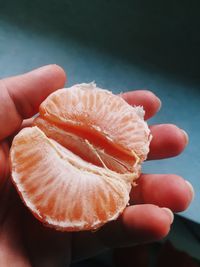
(25, 242)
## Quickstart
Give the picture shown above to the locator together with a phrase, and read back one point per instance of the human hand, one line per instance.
(24, 241)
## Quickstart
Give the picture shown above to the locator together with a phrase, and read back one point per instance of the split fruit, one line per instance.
(75, 167)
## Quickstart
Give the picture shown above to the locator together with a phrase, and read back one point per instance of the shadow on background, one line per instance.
(154, 34)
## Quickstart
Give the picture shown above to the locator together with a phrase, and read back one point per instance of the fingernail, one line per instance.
(160, 103)
(191, 189)
(186, 136)
(170, 214)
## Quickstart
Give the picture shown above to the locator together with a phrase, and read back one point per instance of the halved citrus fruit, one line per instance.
(75, 167)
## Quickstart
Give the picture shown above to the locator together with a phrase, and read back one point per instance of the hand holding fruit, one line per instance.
(20, 232)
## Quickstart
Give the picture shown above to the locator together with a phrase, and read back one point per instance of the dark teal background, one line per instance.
(122, 45)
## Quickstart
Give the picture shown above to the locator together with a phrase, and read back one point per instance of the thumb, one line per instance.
(21, 95)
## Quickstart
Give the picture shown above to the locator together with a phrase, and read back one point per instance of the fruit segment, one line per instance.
(87, 151)
(105, 120)
(63, 190)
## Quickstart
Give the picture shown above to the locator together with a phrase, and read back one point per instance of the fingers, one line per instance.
(21, 96)
(145, 98)
(168, 141)
(137, 224)
(163, 190)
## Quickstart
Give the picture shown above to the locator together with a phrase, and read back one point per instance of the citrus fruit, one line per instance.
(75, 167)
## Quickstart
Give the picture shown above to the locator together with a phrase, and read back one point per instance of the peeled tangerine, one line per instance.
(75, 167)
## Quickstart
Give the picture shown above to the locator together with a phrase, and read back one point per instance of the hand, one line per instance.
(25, 242)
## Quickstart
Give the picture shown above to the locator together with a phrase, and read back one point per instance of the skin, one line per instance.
(26, 242)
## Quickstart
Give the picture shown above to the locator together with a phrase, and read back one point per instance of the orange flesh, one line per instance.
(95, 138)
(78, 146)
(50, 162)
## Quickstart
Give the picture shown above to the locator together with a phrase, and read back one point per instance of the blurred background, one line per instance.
(121, 45)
